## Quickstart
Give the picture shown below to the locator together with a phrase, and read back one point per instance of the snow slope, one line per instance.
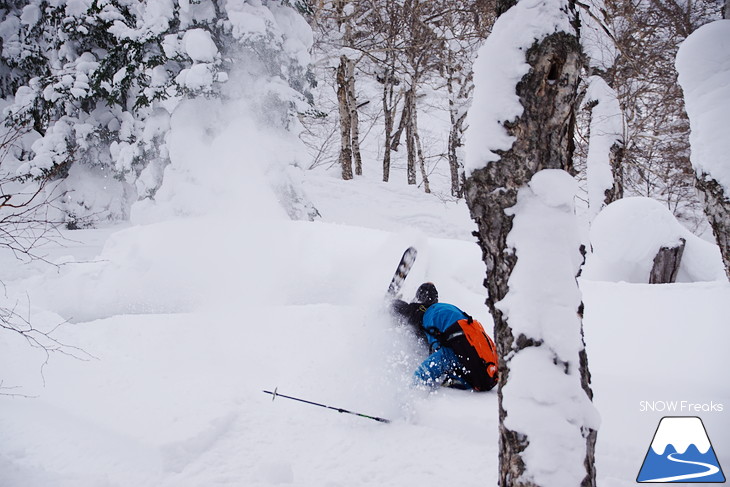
(189, 319)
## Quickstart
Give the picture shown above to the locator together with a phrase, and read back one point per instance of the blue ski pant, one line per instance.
(441, 364)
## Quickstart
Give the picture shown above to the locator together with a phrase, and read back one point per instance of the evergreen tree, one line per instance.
(97, 83)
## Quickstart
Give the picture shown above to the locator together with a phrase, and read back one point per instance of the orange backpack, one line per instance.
(477, 352)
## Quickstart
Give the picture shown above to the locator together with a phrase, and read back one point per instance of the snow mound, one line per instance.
(626, 236)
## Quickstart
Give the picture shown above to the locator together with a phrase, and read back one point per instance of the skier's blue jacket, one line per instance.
(438, 316)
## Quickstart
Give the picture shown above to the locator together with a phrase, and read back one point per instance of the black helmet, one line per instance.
(427, 294)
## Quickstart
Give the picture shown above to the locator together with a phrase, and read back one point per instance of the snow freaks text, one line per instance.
(680, 407)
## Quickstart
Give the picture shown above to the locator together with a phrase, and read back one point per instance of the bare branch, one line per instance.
(4, 389)
(11, 320)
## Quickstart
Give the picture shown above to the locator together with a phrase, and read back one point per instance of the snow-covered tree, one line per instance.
(605, 146)
(600, 124)
(644, 36)
(703, 63)
(98, 81)
(520, 192)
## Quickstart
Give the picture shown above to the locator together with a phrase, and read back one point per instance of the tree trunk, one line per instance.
(454, 169)
(457, 115)
(666, 264)
(419, 150)
(616, 159)
(543, 140)
(345, 120)
(354, 118)
(458, 101)
(410, 137)
(389, 113)
(401, 125)
(454, 135)
(717, 209)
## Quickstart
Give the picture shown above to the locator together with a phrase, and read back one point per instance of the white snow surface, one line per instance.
(703, 63)
(499, 66)
(189, 318)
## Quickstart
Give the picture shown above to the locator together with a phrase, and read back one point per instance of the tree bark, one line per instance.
(419, 150)
(410, 136)
(457, 115)
(345, 120)
(454, 136)
(349, 136)
(401, 126)
(354, 118)
(616, 159)
(389, 114)
(543, 140)
(666, 264)
(717, 209)
(454, 169)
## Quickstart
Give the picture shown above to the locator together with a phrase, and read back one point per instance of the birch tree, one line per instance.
(703, 62)
(338, 22)
(520, 192)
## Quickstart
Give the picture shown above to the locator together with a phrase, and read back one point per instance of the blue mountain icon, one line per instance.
(681, 452)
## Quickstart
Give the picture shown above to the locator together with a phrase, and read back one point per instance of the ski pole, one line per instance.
(339, 410)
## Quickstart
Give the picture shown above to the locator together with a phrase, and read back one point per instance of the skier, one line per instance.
(462, 355)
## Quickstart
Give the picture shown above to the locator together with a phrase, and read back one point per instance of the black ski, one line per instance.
(401, 272)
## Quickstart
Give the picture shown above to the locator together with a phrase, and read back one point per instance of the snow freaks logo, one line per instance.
(680, 452)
